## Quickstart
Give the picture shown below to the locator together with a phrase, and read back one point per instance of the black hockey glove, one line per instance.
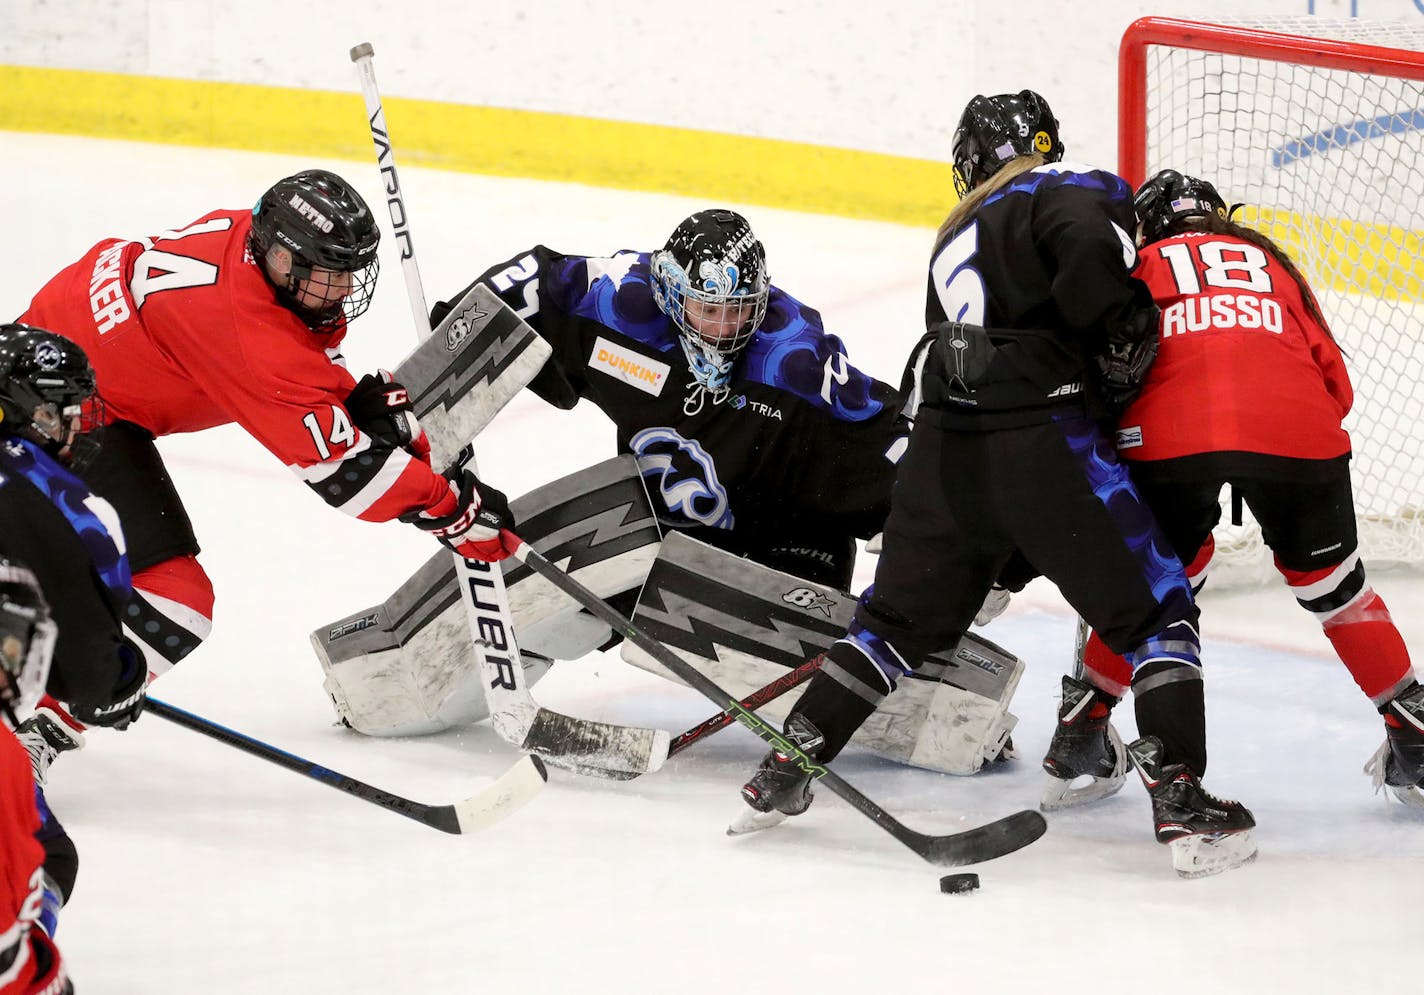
(1124, 366)
(129, 694)
(381, 407)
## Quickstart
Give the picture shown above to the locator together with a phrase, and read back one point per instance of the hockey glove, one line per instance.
(994, 605)
(473, 528)
(1124, 366)
(381, 407)
(129, 695)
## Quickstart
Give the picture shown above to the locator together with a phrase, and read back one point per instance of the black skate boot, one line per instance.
(1084, 744)
(779, 788)
(1207, 834)
(1399, 762)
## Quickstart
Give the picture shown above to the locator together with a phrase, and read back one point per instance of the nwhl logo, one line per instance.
(47, 356)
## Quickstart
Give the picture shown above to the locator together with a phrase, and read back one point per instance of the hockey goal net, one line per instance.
(1318, 126)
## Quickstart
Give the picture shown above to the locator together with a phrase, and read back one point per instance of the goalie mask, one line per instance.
(27, 636)
(47, 393)
(323, 222)
(710, 279)
(1170, 197)
(994, 130)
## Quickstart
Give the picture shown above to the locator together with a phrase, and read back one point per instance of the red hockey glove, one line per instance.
(381, 407)
(472, 526)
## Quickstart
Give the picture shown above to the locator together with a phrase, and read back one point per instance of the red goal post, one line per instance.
(1317, 125)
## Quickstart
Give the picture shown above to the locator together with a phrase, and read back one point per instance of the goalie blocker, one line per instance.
(744, 625)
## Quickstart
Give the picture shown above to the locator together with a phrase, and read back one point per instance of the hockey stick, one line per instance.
(510, 791)
(580, 745)
(972, 846)
(753, 701)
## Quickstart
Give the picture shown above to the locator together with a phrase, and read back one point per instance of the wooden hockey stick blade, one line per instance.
(507, 794)
(994, 839)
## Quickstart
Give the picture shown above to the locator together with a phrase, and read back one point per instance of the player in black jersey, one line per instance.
(71, 541)
(753, 431)
(1034, 322)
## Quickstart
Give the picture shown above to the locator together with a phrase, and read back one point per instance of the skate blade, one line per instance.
(749, 820)
(1059, 794)
(1412, 796)
(1203, 855)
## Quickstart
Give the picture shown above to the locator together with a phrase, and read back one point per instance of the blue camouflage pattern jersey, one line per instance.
(803, 441)
(70, 538)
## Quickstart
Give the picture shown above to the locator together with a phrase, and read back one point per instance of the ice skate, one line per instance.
(1207, 834)
(1399, 762)
(45, 736)
(779, 788)
(1083, 746)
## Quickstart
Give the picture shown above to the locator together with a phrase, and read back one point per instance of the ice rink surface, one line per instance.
(208, 871)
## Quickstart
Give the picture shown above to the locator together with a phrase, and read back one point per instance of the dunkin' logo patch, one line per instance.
(634, 369)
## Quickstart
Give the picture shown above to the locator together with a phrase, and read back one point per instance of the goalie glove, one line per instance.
(471, 521)
(381, 407)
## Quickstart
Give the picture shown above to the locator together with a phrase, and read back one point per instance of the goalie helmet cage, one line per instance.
(1317, 125)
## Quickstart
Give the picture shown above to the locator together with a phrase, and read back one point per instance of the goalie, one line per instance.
(743, 424)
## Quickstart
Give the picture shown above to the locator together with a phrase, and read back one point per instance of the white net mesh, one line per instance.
(1332, 165)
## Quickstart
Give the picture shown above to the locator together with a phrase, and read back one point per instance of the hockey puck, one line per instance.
(958, 884)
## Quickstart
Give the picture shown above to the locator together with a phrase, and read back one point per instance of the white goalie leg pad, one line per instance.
(1203, 855)
(744, 625)
(406, 667)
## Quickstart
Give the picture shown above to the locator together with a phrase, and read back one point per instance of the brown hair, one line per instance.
(1214, 224)
(970, 202)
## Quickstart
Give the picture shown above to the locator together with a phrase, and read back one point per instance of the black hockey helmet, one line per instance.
(27, 636)
(713, 263)
(324, 223)
(47, 390)
(1170, 197)
(994, 130)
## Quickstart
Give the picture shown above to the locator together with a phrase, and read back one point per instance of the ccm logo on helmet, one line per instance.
(319, 221)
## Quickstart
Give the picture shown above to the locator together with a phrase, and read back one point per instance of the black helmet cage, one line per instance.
(713, 259)
(48, 392)
(995, 130)
(27, 635)
(328, 228)
(1170, 197)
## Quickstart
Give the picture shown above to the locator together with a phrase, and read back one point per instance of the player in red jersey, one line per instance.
(239, 317)
(1237, 313)
(30, 963)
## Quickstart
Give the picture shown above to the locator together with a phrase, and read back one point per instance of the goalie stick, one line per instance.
(972, 846)
(509, 792)
(594, 748)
